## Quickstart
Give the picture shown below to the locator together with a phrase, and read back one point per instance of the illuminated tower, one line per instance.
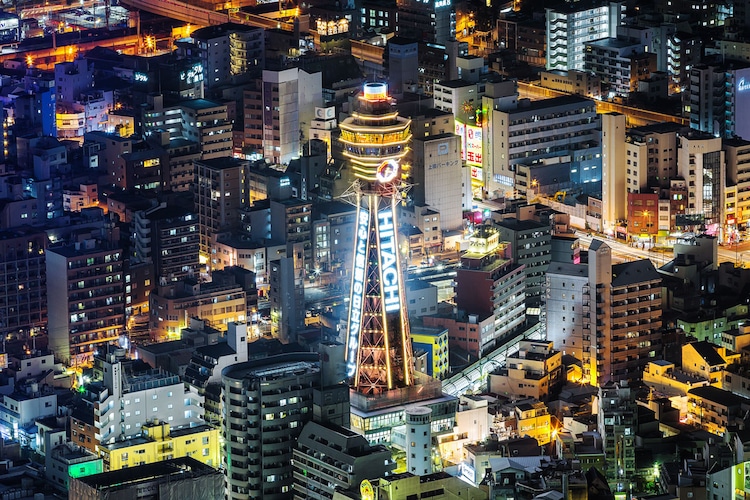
(379, 352)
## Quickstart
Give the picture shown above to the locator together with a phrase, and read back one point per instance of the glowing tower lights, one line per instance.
(379, 352)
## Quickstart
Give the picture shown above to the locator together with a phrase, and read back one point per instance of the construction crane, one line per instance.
(560, 196)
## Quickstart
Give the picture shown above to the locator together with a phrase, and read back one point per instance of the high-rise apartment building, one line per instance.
(651, 156)
(330, 457)
(620, 63)
(684, 50)
(436, 168)
(168, 237)
(124, 399)
(267, 402)
(200, 121)
(86, 300)
(430, 22)
(221, 301)
(540, 130)
(228, 50)
(220, 194)
(289, 99)
(626, 314)
(737, 152)
(490, 283)
(571, 25)
(617, 422)
(700, 161)
(23, 280)
(718, 97)
(608, 317)
(530, 246)
(286, 293)
(614, 179)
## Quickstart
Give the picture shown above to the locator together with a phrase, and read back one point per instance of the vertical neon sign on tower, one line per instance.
(376, 140)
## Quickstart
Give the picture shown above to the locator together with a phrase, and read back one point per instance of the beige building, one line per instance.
(219, 302)
(664, 378)
(706, 361)
(713, 409)
(530, 373)
(405, 486)
(572, 82)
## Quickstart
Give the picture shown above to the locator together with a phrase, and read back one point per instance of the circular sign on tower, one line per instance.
(366, 490)
(387, 171)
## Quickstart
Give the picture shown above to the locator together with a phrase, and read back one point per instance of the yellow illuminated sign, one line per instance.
(153, 162)
(366, 490)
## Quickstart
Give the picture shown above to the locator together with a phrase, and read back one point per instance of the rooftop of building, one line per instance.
(515, 224)
(708, 352)
(418, 284)
(160, 348)
(79, 249)
(187, 430)
(402, 40)
(456, 84)
(127, 443)
(216, 351)
(527, 107)
(435, 137)
(292, 202)
(341, 442)
(221, 163)
(273, 366)
(333, 208)
(220, 30)
(614, 43)
(168, 212)
(199, 104)
(655, 128)
(632, 273)
(736, 142)
(69, 452)
(571, 7)
(171, 470)
(106, 136)
(568, 269)
(719, 396)
(428, 331)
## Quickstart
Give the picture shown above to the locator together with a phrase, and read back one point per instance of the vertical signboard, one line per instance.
(473, 150)
(356, 300)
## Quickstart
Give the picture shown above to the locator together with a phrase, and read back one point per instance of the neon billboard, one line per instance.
(357, 291)
(389, 275)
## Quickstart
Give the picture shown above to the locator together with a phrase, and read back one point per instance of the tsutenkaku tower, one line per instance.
(379, 351)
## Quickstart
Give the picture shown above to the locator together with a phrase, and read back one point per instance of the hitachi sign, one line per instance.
(389, 277)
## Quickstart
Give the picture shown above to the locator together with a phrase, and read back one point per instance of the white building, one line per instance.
(418, 440)
(571, 25)
(436, 167)
(290, 97)
(126, 401)
(32, 399)
(614, 178)
(700, 161)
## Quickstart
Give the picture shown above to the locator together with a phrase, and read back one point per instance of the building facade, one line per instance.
(570, 26)
(86, 301)
(277, 392)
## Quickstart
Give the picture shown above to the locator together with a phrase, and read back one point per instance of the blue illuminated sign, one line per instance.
(358, 288)
(388, 260)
